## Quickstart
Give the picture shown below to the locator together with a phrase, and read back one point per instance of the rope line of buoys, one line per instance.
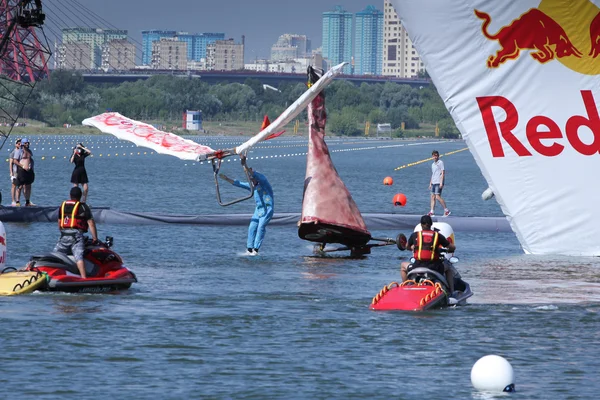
(428, 159)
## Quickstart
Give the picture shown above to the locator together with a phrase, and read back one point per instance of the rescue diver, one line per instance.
(426, 246)
(263, 196)
(74, 219)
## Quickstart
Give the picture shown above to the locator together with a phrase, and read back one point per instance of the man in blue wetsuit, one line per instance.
(263, 196)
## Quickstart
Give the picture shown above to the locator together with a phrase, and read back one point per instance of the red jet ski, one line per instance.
(424, 289)
(104, 269)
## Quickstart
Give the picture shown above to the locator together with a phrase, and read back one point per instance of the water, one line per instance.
(206, 321)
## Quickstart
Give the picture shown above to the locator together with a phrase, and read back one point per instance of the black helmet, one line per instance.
(426, 220)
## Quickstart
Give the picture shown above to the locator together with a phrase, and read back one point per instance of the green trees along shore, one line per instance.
(231, 107)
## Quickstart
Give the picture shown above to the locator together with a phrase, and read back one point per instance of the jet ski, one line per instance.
(104, 269)
(425, 289)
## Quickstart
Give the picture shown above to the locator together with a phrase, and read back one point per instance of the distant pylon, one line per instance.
(23, 56)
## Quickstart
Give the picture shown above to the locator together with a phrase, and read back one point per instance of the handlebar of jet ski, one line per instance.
(89, 242)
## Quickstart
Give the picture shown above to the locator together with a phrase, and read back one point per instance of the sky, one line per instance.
(262, 21)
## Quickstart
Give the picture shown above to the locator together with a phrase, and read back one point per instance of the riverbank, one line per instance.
(211, 128)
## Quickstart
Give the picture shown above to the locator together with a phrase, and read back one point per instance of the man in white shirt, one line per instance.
(436, 184)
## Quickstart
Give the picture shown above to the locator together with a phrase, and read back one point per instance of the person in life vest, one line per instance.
(263, 196)
(426, 246)
(74, 219)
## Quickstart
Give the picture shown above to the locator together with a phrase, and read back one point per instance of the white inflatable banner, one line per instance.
(521, 79)
(146, 135)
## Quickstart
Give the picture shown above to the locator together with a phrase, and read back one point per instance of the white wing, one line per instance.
(146, 135)
(292, 111)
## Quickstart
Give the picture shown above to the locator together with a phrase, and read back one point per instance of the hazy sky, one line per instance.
(262, 21)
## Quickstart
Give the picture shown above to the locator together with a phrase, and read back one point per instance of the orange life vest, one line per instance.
(426, 246)
(69, 218)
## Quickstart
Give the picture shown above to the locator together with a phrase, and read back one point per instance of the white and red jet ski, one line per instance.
(425, 289)
(104, 268)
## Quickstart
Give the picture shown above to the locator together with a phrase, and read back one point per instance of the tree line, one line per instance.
(65, 98)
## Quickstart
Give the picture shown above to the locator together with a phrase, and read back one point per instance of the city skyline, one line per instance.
(261, 24)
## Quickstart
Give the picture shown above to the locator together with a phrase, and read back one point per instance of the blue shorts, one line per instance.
(436, 189)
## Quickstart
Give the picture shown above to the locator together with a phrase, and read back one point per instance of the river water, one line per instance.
(206, 321)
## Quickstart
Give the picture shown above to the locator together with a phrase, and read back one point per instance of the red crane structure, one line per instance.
(24, 55)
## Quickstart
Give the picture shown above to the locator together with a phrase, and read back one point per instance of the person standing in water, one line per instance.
(25, 172)
(263, 196)
(436, 184)
(13, 160)
(79, 175)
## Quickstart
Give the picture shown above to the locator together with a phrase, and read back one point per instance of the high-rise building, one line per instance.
(368, 42)
(283, 53)
(202, 40)
(118, 55)
(225, 55)
(400, 58)
(169, 53)
(74, 55)
(290, 47)
(93, 38)
(152, 36)
(337, 37)
(196, 43)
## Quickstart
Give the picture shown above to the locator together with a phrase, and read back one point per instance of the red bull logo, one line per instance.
(595, 36)
(563, 30)
(533, 30)
(2, 240)
(544, 135)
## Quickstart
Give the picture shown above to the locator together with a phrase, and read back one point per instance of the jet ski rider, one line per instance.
(426, 246)
(74, 219)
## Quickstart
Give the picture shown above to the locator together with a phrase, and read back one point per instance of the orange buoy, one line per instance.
(399, 200)
(388, 181)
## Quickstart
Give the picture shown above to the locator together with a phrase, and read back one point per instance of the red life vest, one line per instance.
(426, 246)
(69, 218)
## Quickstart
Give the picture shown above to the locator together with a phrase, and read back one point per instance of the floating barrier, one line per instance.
(105, 215)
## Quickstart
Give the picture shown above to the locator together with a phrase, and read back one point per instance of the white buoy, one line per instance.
(487, 194)
(493, 373)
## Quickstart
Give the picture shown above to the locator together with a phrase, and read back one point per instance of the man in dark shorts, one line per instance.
(426, 246)
(74, 219)
(25, 171)
(13, 161)
(436, 184)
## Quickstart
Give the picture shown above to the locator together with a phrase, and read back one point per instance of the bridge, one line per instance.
(266, 78)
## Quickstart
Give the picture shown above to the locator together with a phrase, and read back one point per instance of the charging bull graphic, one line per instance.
(534, 30)
(595, 36)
